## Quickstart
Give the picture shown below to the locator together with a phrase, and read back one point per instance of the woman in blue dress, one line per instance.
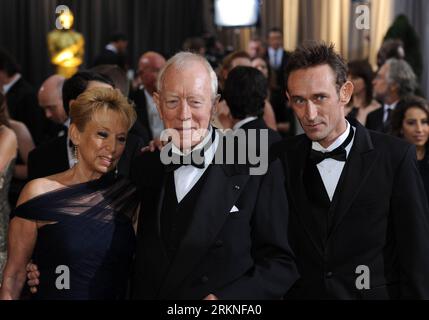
(77, 225)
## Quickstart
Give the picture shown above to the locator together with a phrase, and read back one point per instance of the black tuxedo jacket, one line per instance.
(140, 102)
(51, 158)
(375, 120)
(23, 106)
(273, 136)
(279, 73)
(242, 255)
(379, 220)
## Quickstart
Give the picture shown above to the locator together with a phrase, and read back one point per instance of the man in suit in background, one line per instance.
(114, 52)
(394, 81)
(245, 92)
(57, 155)
(21, 98)
(359, 216)
(50, 99)
(149, 66)
(277, 58)
(206, 230)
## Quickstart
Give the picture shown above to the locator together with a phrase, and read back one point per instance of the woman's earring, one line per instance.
(116, 171)
(76, 158)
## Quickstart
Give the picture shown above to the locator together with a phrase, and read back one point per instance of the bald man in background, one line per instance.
(149, 66)
(50, 99)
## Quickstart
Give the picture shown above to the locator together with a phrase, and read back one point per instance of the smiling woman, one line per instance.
(411, 122)
(80, 219)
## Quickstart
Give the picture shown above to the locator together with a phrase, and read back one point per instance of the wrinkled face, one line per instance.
(102, 141)
(275, 40)
(186, 104)
(52, 105)
(381, 85)
(149, 68)
(415, 126)
(261, 65)
(313, 95)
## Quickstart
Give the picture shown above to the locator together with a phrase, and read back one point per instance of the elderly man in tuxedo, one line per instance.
(209, 231)
(358, 212)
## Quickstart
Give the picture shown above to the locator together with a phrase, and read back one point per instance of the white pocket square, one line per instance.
(234, 209)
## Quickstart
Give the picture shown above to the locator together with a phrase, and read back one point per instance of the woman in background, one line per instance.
(8, 153)
(411, 122)
(362, 102)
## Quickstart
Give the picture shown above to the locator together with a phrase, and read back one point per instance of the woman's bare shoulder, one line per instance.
(38, 187)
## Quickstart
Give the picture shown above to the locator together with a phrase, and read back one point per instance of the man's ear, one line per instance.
(346, 92)
(215, 103)
(156, 99)
(74, 134)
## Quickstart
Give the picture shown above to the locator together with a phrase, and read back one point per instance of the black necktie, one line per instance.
(339, 154)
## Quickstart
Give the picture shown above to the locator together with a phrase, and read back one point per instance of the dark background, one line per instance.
(159, 25)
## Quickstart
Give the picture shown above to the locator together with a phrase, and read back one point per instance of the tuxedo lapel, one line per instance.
(221, 191)
(299, 199)
(361, 159)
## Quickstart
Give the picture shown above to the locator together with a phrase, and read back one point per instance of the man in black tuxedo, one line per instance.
(358, 213)
(21, 98)
(57, 155)
(277, 59)
(150, 64)
(206, 230)
(115, 52)
(394, 81)
(245, 92)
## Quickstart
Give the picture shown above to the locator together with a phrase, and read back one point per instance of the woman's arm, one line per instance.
(25, 146)
(8, 147)
(22, 237)
(21, 241)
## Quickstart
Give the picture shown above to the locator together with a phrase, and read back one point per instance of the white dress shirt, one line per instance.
(330, 169)
(112, 48)
(70, 149)
(387, 107)
(9, 85)
(155, 122)
(186, 177)
(276, 57)
(241, 123)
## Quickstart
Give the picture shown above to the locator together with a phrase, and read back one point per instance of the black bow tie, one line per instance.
(186, 160)
(189, 159)
(339, 154)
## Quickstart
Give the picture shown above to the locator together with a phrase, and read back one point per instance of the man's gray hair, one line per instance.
(180, 61)
(401, 73)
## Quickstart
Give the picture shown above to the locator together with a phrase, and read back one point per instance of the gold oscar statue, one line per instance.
(66, 46)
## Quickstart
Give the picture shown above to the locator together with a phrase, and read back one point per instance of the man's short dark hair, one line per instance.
(245, 92)
(77, 84)
(317, 54)
(8, 63)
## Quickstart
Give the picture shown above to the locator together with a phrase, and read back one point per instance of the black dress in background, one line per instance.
(91, 234)
(424, 171)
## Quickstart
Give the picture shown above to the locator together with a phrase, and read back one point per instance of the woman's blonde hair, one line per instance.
(93, 100)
